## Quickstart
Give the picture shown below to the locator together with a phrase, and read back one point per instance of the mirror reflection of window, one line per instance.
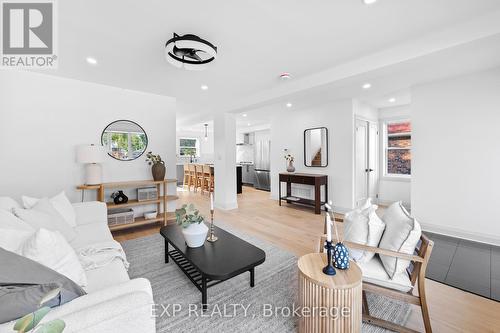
(316, 147)
(124, 140)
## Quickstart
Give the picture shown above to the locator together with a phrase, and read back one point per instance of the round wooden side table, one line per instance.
(329, 303)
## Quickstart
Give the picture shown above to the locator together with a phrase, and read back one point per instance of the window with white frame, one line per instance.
(189, 147)
(397, 148)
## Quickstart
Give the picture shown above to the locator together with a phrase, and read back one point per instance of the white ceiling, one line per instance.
(256, 40)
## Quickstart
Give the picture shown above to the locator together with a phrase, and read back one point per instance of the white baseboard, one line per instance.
(226, 206)
(463, 234)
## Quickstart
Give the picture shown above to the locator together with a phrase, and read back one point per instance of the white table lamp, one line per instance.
(91, 155)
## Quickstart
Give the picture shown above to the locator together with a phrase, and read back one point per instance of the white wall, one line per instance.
(338, 118)
(43, 118)
(455, 181)
(392, 189)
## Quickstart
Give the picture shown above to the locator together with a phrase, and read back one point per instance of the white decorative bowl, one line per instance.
(150, 215)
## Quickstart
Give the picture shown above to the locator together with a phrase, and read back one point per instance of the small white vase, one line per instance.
(196, 234)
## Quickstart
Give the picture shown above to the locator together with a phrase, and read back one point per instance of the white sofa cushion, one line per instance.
(8, 204)
(105, 277)
(88, 234)
(44, 215)
(51, 249)
(13, 231)
(374, 272)
(60, 202)
(9, 221)
(402, 233)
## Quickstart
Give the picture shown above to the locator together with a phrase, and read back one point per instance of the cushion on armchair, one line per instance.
(363, 226)
(374, 273)
(402, 233)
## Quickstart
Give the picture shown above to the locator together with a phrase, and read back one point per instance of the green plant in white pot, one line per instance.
(193, 228)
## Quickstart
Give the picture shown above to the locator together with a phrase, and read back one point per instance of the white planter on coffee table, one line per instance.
(195, 235)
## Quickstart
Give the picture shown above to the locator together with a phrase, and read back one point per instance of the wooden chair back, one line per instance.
(186, 168)
(207, 170)
(192, 169)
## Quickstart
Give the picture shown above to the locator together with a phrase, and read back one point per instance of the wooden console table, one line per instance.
(161, 201)
(339, 295)
(308, 179)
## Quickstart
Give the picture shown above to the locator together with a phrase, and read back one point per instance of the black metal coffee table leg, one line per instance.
(252, 277)
(166, 251)
(204, 293)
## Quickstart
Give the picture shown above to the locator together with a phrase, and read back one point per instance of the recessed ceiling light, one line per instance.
(369, 2)
(92, 61)
(248, 124)
(392, 100)
(204, 87)
(244, 114)
(289, 105)
(367, 86)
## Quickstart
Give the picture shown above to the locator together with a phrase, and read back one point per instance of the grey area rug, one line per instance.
(275, 289)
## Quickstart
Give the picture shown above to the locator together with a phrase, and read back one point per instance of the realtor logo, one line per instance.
(28, 34)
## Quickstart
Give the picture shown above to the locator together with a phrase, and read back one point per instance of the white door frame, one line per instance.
(374, 161)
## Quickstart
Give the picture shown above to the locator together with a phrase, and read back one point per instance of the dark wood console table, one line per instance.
(308, 179)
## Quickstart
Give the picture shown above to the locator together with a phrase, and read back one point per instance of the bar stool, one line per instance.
(192, 176)
(199, 177)
(208, 178)
(186, 175)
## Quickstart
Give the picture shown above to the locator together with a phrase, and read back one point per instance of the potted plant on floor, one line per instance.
(158, 166)
(193, 228)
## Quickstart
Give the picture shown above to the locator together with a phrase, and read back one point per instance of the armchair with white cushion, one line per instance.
(395, 273)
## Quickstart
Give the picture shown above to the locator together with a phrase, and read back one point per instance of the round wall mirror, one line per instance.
(124, 140)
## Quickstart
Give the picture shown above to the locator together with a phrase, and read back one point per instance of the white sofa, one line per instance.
(114, 302)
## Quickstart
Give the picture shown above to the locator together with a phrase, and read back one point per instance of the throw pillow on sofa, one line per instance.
(13, 231)
(402, 233)
(60, 202)
(51, 249)
(23, 282)
(363, 227)
(8, 204)
(44, 215)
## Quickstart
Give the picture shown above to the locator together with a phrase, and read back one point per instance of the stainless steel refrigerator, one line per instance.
(263, 165)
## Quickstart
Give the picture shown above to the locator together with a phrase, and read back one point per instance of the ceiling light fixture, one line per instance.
(206, 132)
(189, 52)
(369, 2)
(392, 100)
(289, 105)
(91, 61)
(204, 87)
(248, 124)
(244, 114)
(367, 86)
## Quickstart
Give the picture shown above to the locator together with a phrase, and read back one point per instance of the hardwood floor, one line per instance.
(298, 230)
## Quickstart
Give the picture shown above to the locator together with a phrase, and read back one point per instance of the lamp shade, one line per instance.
(90, 154)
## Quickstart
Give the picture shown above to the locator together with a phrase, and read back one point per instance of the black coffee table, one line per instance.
(212, 263)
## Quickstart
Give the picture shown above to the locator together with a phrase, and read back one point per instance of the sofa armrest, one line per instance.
(91, 212)
(132, 312)
(108, 310)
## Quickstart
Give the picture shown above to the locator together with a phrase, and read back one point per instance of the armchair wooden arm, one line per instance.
(376, 250)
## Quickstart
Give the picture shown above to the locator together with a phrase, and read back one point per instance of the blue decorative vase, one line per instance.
(340, 256)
